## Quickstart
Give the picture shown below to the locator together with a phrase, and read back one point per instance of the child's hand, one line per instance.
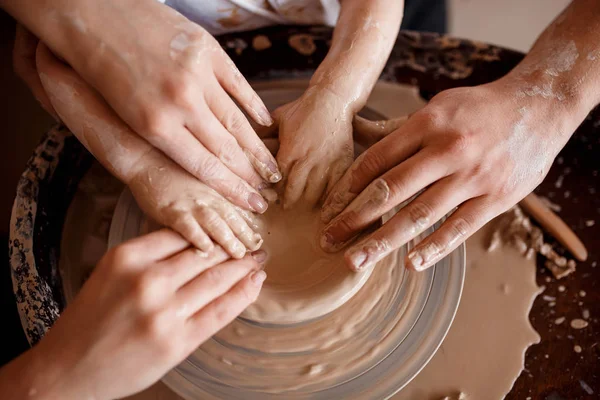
(164, 191)
(315, 144)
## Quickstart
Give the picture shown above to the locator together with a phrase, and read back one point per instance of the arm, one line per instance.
(167, 79)
(97, 351)
(315, 131)
(478, 150)
(362, 41)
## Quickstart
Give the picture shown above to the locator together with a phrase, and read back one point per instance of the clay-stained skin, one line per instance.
(303, 282)
(170, 81)
(166, 192)
(315, 131)
(473, 152)
(496, 330)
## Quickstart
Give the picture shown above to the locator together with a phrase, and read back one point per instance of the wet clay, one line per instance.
(491, 328)
(303, 282)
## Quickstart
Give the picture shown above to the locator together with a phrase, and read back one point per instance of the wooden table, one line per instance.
(553, 369)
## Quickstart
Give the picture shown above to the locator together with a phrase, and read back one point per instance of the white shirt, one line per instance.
(222, 16)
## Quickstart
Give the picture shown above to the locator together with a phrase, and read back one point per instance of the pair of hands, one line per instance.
(147, 305)
(175, 98)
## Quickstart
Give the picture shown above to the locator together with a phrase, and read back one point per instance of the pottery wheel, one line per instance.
(384, 335)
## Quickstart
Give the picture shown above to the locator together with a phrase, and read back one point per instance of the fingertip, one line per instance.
(258, 277)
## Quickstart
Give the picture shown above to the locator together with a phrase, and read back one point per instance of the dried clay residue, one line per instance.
(515, 228)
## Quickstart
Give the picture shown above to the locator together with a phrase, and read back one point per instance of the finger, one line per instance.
(187, 151)
(384, 155)
(383, 194)
(24, 64)
(367, 133)
(236, 85)
(154, 246)
(337, 171)
(465, 221)
(226, 308)
(221, 233)
(212, 134)
(186, 265)
(315, 185)
(296, 183)
(238, 126)
(213, 283)
(240, 228)
(413, 219)
(190, 229)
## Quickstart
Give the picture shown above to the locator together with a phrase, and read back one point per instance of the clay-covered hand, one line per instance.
(147, 305)
(164, 191)
(315, 144)
(475, 151)
(171, 82)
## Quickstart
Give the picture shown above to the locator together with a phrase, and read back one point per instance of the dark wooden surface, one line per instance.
(553, 369)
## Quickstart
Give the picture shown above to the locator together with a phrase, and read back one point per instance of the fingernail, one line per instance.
(416, 261)
(276, 174)
(263, 114)
(257, 203)
(260, 256)
(263, 186)
(258, 240)
(258, 277)
(327, 241)
(357, 259)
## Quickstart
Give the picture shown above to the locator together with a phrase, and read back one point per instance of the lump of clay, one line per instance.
(303, 282)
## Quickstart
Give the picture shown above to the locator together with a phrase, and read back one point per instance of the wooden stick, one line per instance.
(552, 223)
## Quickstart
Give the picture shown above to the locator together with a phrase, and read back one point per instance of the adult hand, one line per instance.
(164, 191)
(171, 82)
(475, 151)
(315, 144)
(148, 304)
(24, 65)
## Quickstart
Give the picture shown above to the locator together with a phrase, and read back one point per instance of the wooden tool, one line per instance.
(534, 206)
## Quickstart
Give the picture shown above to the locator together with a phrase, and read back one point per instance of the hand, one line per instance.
(24, 65)
(476, 151)
(148, 304)
(171, 82)
(164, 191)
(315, 144)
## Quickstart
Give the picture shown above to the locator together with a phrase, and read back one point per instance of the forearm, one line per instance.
(362, 42)
(562, 70)
(34, 376)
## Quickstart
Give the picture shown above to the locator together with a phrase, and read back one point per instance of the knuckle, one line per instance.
(147, 288)
(222, 314)
(460, 228)
(458, 143)
(373, 162)
(123, 256)
(348, 222)
(154, 122)
(420, 212)
(430, 117)
(180, 89)
(397, 187)
(228, 150)
(207, 168)
(213, 276)
(234, 121)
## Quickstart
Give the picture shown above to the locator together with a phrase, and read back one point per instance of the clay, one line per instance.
(496, 330)
(303, 282)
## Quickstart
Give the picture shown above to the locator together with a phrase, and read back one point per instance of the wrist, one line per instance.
(547, 97)
(336, 96)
